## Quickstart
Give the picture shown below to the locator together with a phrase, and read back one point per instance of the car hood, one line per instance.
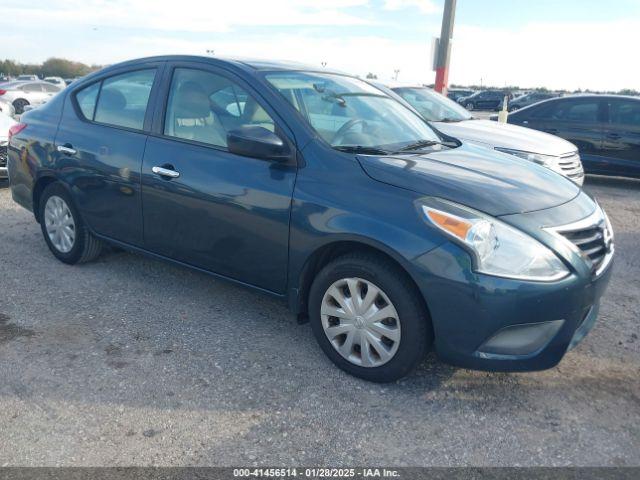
(492, 182)
(504, 135)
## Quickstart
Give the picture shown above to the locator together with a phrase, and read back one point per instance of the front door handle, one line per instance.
(614, 136)
(165, 172)
(66, 148)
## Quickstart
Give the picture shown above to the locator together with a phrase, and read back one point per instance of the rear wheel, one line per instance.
(64, 231)
(368, 317)
(19, 105)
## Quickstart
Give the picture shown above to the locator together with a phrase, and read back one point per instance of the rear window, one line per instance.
(50, 88)
(32, 87)
(120, 100)
(86, 99)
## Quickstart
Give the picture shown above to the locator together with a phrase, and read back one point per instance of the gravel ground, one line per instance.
(131, 361)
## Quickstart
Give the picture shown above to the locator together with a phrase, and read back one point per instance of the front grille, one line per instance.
(3, 156)
(592, 238)
(590, 242)
(570, 165)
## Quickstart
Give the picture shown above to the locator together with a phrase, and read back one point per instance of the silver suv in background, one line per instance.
(20, 94)
(453, 120)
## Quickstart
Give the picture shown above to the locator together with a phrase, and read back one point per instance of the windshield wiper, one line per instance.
(450, 120)
(418, 145)
(362, 150)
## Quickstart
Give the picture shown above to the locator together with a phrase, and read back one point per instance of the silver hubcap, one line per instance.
(59, 224)
(360, 322)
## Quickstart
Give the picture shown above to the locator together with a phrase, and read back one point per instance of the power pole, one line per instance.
(443, 52)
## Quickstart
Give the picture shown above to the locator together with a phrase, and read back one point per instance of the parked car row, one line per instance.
(321, 189)
(484, 100)
(456, 93)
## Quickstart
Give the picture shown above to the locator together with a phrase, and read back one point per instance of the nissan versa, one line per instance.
(318, 188)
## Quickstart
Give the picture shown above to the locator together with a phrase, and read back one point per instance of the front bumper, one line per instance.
(474, 315)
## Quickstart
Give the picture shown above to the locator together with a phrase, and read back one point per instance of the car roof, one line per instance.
(591, 95)
(247, 63)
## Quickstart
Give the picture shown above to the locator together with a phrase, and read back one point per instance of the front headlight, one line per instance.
(496, 248)
(546, 160)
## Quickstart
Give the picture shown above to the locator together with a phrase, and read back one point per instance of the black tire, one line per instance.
(19, 105)
(416, 332)
(86, 247)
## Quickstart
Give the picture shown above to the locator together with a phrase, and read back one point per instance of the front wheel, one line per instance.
(368, 317)
(469, 106)
(66, 235)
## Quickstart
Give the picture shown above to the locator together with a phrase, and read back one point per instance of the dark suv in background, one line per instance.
(484, 100)
(605, 128)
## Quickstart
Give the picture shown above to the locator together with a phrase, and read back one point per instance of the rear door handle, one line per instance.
(165, 172)
(66, 148)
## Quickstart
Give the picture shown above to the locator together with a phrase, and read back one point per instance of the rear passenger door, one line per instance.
(99, 148)
(203, 205)
(621, 142)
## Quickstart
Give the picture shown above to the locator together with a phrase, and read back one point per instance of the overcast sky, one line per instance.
(554, 43)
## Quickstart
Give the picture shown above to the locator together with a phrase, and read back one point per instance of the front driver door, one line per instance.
(224, 213)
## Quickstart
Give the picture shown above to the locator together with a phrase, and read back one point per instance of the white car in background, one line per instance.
(452, 119)
(20, 94)
(56, 81)
(6, 122)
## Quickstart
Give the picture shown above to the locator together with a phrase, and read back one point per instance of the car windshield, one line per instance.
(351, 114)
(433, 106)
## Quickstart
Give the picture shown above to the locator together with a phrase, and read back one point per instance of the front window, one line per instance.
(433, 106)
(204, 106)
(347, 112)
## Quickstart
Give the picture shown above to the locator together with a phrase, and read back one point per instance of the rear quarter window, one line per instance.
(86, 99)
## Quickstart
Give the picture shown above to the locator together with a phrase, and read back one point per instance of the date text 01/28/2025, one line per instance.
(317, 472)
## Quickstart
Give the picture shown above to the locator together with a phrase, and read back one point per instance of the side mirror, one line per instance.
(258, 142)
